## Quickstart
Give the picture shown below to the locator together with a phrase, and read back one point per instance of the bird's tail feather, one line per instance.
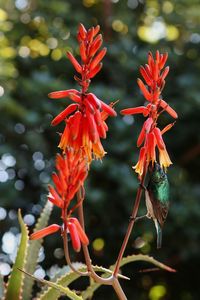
(159, 234)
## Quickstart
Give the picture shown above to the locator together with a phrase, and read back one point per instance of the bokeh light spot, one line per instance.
(56, 54)
(3, 213)
(98, 244)
(8, 160)
(172, 33)
(4, 269)
(157, 292)
(1, 91)
(8, 242)
(19, 185)
(3, 15)
(167, 7)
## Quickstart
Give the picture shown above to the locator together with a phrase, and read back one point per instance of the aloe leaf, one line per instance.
(131, 258)
(59, 288)
(15, 282)
(33, 251)
(66, 276)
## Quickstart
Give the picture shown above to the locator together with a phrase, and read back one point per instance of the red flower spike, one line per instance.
(164, 73)
(83, 52)
(108, 109)
(159, 139)
(90, 34)
(96, 70)
(75, 128)
(135, 110)
(147, 124)
(157, 56)
(168, 109)
(72, 165)
(95, 45)
(62, 94)
(151, 144)
(139, 167)
(75, 97)
(145, 75)
(141, 137)
(94, 101)
(57, 182)
(144, 90)
(76, 243)
(98, 58)
(83, 237)
(74, 62)
(92, 127)
(67, 111)
(82, 31)
(54, 197)
(155, 71)
(151, 136)
(84, 125)
(96, 29)
(163, 60)
(44, 232)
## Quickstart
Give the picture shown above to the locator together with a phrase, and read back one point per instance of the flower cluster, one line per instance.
(72, 171)
(85, 125)
(150, 137)
(80, 141)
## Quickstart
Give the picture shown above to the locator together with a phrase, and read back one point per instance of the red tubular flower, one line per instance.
(154, 74)
(84, 123)
(72, 170)
(44, 232)
(77, 234)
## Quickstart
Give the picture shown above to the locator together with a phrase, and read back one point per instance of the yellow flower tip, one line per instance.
(164, 159)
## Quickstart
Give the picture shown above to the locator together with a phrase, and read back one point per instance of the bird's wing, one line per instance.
(160, 210)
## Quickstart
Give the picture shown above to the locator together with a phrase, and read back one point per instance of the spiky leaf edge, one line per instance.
(15, 282)
(33, 250)
(62, 290)
(131, 258)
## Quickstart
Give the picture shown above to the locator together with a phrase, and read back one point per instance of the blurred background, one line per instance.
(34, 36)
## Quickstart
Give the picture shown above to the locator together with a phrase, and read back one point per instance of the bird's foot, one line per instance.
(142, 186)
(138, 218)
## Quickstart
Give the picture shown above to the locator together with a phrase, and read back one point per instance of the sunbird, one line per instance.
(157, 199)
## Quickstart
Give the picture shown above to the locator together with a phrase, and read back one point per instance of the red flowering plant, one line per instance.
(151, 137)
(85, 125)
(72, 170)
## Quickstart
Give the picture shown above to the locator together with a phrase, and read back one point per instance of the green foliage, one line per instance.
(33, 250)
(15, 282)
(61, 290)
(88, 293)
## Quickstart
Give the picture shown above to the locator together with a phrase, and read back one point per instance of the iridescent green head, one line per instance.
(157, 173)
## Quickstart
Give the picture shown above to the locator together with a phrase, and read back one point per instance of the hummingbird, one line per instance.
(157, 198)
